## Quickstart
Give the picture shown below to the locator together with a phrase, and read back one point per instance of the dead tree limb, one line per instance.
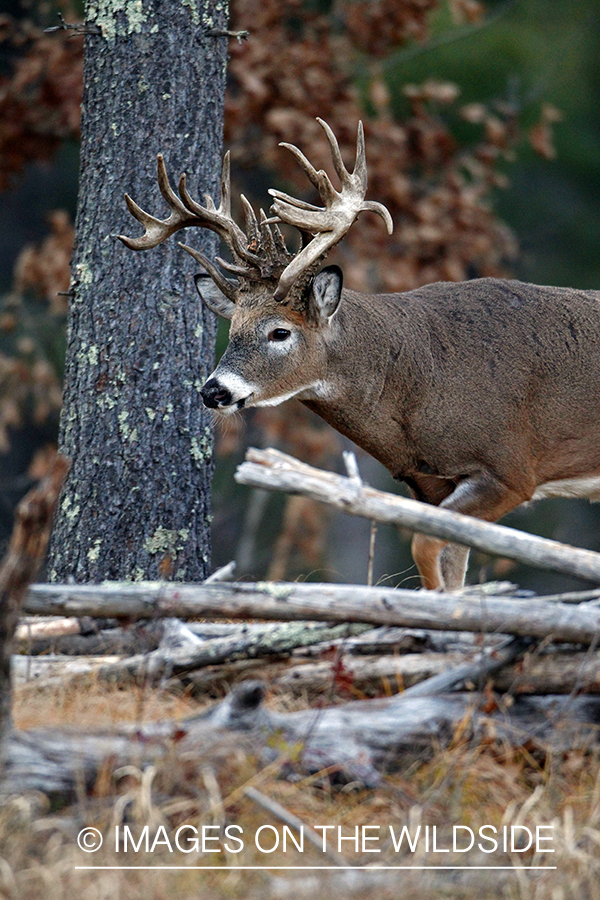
(359, 740)
(267, 641)
(273, 470)
(475, 671)
(20, 566)
(575, 623)
(53, 671)
(556, 673)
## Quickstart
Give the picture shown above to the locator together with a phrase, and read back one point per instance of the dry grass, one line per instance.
(464, 784)
(92, 703)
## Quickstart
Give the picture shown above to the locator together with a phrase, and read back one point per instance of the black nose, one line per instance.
(214, 395)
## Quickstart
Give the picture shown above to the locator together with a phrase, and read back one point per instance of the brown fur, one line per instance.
(474, 393)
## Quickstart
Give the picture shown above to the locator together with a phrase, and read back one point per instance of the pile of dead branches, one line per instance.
(521, 668)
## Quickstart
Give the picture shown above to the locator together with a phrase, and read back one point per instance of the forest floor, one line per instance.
(466, 784)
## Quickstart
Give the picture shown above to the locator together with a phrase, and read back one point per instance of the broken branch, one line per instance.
(276, 471)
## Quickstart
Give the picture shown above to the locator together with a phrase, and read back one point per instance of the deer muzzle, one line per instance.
(215, 395)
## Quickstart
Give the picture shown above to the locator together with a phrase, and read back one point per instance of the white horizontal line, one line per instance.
(311, 868)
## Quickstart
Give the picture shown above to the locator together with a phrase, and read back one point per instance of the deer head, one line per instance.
(276, 300)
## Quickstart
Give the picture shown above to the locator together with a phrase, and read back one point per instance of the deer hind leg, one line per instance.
(442, 565)
(453, 563)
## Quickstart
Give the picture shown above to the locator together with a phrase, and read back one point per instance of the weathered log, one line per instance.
(50, 671)
(31, 629)
(359, 740)
(273, 470)
(328, 602)
(384, 640)
(556, 673)
(114, 641)
(266, 641)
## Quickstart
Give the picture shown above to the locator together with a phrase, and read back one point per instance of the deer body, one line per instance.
(480, 395)
(453, 377)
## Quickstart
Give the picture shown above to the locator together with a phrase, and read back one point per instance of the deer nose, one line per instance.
(214, 395)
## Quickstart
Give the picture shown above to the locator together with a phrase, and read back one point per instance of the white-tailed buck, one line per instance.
(480, 395)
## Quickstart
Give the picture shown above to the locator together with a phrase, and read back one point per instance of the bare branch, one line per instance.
(288, 602)
(274, 470)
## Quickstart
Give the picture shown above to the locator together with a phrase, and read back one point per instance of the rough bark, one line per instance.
(136, 503)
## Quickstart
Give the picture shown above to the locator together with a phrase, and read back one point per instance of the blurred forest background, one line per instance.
(483, 139)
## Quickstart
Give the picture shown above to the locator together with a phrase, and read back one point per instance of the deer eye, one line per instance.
(279, 334)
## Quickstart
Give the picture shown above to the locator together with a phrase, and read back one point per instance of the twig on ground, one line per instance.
(225, 573)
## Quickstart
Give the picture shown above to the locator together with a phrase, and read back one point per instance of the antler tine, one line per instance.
(158, 230)
(308, 168)
(252, 231)
(293, 201)
(185, 212)
(278, 237)
(336, 157)
(359, 173)
(301, 217)
(380, 210)
(319, 178)
(225, 286)
(328, 224)
(220, 221)
(242, 271)
(266, 235)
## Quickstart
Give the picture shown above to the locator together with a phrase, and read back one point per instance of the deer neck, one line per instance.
(373, 370)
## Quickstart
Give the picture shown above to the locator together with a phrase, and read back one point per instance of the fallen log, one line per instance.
(556, 673)
(50, 671)
(114, 641)
(358, 741)
(31, 629)
(574, 623)
(261, 642)
(384, 641)
(276, 471)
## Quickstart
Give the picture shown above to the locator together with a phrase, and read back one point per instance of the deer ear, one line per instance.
(326, 291)
(212, 297)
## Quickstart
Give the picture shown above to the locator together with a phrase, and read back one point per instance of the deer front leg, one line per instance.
(442, 565)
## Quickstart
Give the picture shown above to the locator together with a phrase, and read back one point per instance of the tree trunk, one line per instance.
(136, 503)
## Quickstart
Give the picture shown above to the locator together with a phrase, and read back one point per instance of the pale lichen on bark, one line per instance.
(139, 344)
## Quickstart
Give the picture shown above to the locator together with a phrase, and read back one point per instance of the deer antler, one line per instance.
(186, 212)
(260, 255)
(330, 223)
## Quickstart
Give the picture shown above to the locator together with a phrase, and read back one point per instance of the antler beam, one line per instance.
(186, 212)
(330, 223)
(260, 255)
